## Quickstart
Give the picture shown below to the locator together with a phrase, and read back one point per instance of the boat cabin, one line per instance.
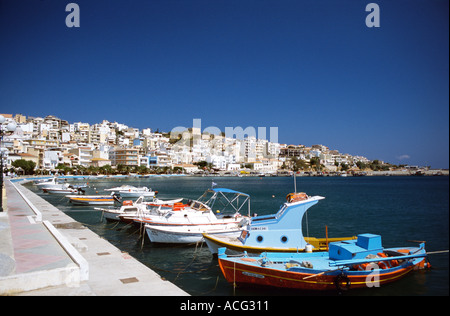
(364, 245)
(280, 230)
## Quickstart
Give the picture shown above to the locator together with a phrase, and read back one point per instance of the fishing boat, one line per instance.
(188, 224)
(347, 265)
(91, 199)
(280, 232)
(129, 191)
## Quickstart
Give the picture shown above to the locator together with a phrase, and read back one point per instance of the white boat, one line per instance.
(65, 189)
(187, 224)
(62, 189)
(129, 210)
(49, 184)
(127, 191)
(43, 181)
(190, 234)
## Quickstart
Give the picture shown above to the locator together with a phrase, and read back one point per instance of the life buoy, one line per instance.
(342, 282)
(295, 197)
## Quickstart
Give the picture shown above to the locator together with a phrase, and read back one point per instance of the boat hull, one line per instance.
(247, 271)
(119, 216)
(185, 234)
(59, 191)
(125, 194)
(111, 216)
(109, 200)
(235, 246)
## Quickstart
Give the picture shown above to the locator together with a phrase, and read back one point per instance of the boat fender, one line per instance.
(342, 282)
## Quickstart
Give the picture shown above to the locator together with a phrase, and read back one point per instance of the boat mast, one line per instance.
(295, 183)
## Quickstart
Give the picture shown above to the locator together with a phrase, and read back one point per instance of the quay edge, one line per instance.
(84, 273)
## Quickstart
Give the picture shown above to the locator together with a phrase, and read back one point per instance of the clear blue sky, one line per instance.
(311, 68)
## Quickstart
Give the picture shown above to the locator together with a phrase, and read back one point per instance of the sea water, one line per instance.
(400, 209)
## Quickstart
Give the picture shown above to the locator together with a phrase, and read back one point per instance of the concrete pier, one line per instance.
(45, 252)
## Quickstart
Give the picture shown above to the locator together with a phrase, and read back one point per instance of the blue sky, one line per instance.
(311, 68)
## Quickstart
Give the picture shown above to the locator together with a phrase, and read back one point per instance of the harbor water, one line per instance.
(400, 209)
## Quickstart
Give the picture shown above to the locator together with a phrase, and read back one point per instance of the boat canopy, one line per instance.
(226, 198)
(225, 190)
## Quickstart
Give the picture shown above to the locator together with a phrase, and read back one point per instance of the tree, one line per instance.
(27, 165)
(315, 162)
(106, 169)
(201, 164)
(63, 168)
(361, 165)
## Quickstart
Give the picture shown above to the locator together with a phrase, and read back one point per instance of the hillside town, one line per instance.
(52, 145)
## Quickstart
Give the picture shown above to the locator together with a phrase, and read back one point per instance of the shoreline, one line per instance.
(403, 173)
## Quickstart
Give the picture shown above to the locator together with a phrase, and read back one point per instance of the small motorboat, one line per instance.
(92, 199)
(50, 184)
(347, 265)
(130, 210)
(188, 223)
(129, 191)
(65, 189)
(61, 190)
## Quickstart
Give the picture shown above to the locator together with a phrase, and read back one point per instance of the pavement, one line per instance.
(44, 252)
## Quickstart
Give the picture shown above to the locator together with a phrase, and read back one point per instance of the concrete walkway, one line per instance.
(45, 252)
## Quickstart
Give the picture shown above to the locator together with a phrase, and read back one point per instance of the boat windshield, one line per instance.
(199, 206)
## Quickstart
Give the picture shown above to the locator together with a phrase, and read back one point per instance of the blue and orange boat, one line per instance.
(346, 265)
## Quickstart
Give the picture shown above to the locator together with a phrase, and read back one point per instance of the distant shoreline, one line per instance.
(427, 173)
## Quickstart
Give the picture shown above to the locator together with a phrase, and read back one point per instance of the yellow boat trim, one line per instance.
(320, 244)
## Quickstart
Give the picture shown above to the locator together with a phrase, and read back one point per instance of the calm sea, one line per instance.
(400, 209)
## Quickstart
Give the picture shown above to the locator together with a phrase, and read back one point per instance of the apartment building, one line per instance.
(84, 154)
(124, 156)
